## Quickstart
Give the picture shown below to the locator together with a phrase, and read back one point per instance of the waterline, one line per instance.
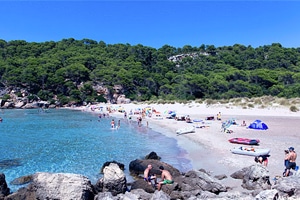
(69, 141)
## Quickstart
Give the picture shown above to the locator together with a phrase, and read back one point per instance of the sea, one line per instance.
(72, 141)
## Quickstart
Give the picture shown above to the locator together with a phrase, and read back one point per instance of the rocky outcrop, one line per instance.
(118, 95)
(194, 184)
(113, 181)
(20, 98)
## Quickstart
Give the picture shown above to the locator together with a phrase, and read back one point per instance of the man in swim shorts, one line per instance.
(291, 157)
(166, 178)
(147, 176)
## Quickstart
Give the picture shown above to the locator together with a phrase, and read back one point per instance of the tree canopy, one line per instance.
(71, 68)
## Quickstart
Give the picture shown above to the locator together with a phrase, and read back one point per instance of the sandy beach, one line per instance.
(209, 148)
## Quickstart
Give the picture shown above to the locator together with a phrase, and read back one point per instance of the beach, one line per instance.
(208, 148)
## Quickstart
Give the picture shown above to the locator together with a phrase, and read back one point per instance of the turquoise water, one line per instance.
(69, 141)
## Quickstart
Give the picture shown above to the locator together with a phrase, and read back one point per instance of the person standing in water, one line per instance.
(119, 124)
(112, 123)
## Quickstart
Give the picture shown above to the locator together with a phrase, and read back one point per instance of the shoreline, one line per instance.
(208, 148)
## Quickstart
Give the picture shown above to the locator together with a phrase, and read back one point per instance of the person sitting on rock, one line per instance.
(166, 178)
(147, 176)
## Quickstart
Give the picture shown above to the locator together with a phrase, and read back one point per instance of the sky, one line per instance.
(154, 23)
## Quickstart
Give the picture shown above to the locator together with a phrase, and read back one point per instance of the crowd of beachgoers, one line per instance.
(209, 147)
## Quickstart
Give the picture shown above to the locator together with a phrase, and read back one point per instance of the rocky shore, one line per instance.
(194, 184)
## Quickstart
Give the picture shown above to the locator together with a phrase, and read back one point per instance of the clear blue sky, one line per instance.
(154, 23)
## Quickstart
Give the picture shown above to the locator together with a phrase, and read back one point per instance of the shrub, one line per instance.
(250, 105)
(294, 109)
(6, 97)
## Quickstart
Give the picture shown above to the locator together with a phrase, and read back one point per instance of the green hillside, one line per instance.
(69, 69)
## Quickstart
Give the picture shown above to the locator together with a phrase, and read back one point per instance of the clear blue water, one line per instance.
(70, 141)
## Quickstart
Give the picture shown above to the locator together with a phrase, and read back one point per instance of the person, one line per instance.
(119, 124)
(286, 161)
(244, 123)
(262, 159)
(219, 116)
(112, 123)
(166, 178)
(148, 177)
(291, 164)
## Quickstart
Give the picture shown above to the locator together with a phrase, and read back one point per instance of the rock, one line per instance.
(221, 176)
(61, 186)
(141, 184)
(267, 195)
(104, 196)
(160, 195)
(203, 181)
(19, 104)
(121, 166)
(288, 186)
(141, 193)
(114, 180)
(23, 193)
(22, 180)
(4, 190)
(255, 177)
(153, 156)
(8, 105)
(137, 167)
(10, 163)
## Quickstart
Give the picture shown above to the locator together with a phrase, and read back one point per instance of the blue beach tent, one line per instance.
(258, 125)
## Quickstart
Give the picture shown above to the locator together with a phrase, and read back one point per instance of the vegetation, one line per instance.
(69, 69)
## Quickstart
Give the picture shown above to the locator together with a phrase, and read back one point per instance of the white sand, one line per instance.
(208, 148)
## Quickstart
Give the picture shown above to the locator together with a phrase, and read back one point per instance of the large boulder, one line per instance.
(255, 177)
(137, 167)
(121, 165)
(113, 180)
(288, 186)
(201, 180)
(56, 186)
(4, 190)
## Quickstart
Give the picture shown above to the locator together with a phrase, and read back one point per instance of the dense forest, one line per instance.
(70, 68)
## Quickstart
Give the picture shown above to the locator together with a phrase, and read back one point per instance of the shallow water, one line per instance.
(70, 141)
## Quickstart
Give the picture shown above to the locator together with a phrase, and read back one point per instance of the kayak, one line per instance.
(186, 130)
(244, 141)
(250, 151)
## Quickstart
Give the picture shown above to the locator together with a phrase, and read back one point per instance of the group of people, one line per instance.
(166, 177)
(112, 124)
(289, 160)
